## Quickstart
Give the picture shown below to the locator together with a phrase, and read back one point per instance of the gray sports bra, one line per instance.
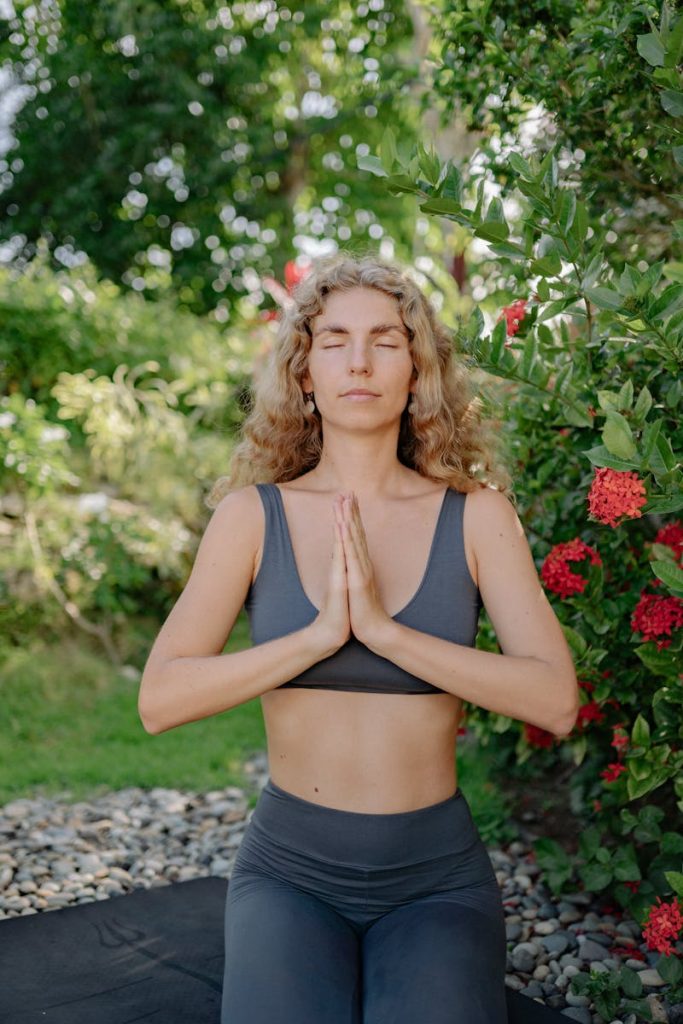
(446, 604)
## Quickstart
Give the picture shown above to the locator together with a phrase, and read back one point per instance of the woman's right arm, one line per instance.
(186, 678)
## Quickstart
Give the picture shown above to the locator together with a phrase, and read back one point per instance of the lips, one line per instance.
(361, 391)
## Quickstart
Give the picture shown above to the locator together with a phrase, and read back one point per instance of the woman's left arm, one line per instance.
(533, 680)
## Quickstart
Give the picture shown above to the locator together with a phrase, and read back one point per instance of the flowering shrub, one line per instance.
(591, 362)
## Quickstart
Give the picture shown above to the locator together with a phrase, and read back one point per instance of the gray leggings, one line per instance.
(342, 917)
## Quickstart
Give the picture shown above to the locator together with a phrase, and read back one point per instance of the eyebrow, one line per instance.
(377, 329)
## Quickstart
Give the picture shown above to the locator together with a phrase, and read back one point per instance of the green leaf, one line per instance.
(650, 47)
(675, 880)
(368, 162)
(630, 982)
(639, 787)
(665, 505)
(625, 864)
(604, 298)
(669, 574)
(589, 841)
(580, 225)
(508, 249)
(643, 404)
(595, 876)
(498, 338)
(397, 183)
(550, 854)
(608, 400)
(430, 165)
(387, 149)
(662, 458)
(567, 210)
(649, 438)
(577, 643)
(667, 303)
(625, 396)
(593, 270)
(520, 165)
(492, 231)
(672, 842)
(656, 661)
(617, 437)
(563, 379)
(529, 356)
(442, 205)
(600, 456)
(672, 101)
(452, 185)
(555, 307)
(640, 733)
(547, 266)
(670, 968)
(534, 192)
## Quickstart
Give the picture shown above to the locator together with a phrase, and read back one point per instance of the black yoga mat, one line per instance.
(154, 956)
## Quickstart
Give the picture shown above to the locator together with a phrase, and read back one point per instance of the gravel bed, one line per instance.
(56, 854)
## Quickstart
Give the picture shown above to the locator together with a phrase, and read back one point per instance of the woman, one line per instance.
(362, 890)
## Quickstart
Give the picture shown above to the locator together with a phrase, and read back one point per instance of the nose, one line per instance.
(359, 357)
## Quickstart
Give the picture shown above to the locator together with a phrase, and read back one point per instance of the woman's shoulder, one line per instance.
(242, 503)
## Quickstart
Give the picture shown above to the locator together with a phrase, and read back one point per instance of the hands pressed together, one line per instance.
(352, 603)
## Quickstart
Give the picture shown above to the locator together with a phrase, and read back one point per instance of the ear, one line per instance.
(306, 382)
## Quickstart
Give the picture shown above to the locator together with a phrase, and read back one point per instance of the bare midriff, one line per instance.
(378, 753)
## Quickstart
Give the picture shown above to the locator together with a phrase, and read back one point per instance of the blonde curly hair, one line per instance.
(443, 439)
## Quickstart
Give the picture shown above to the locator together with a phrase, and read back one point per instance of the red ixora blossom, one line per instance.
(633, 886)
(620, 739)
(590, 712)
(514, 314)
(555, 572)
(655, 615)
(663, 924)
(613, 771)
(294, 273)
(614, 494)
(536, 737)
(672, 536)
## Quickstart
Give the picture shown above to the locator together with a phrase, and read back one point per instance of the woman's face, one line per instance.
(359, 342)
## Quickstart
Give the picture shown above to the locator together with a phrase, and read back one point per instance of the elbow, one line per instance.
(148, 723)
(146, 713)
(564, 726)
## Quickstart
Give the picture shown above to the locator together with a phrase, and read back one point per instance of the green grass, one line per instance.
(74, 732)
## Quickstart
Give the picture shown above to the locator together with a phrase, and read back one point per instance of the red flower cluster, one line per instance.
(614, 494)
(655, 615)
(662, 925)
(620, 738)
(294, 273)
(590, 712)
(672, 536)
(613, 771)
(514, 314)
(555, 572)
(536, 737)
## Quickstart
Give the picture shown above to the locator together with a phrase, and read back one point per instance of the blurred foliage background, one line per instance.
(166, 170)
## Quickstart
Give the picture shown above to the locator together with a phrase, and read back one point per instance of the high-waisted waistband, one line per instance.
(357, 837)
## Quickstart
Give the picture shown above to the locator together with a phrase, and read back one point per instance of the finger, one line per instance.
(358, 536)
